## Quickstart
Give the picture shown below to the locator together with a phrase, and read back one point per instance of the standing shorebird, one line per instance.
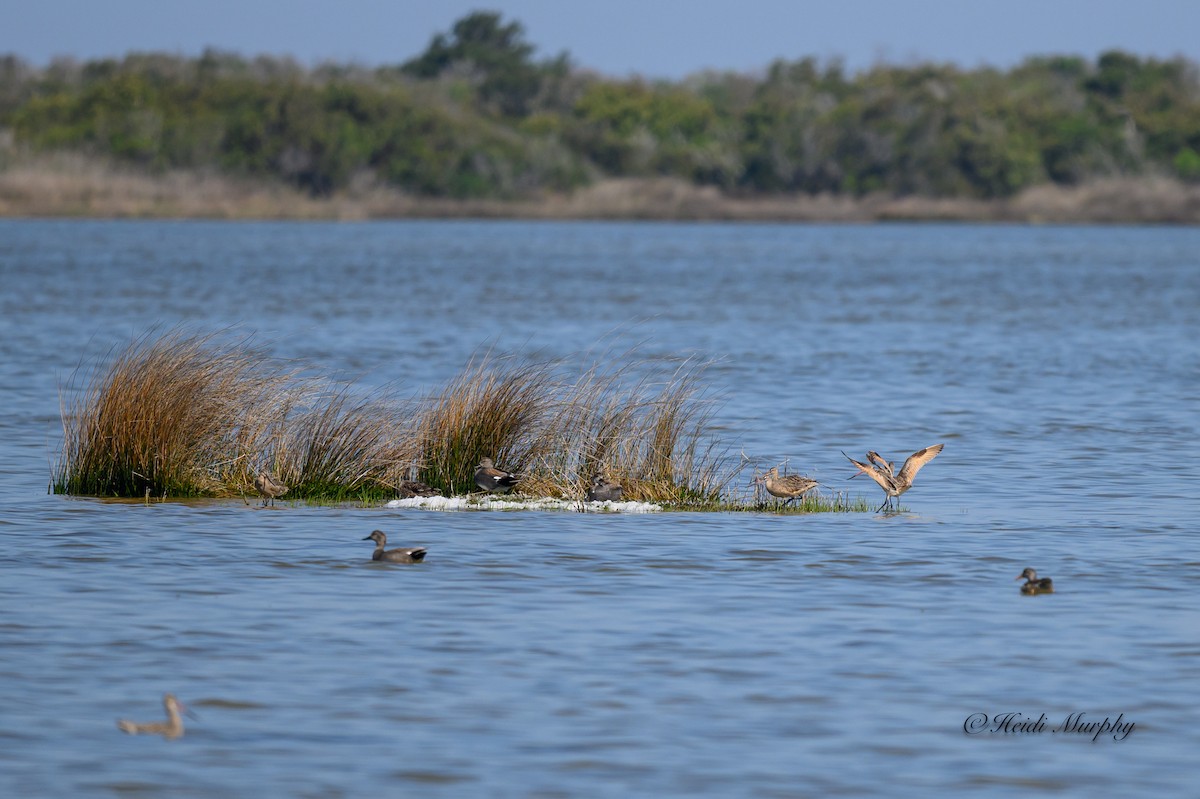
(269, 487)
(170, 729)
(1034, 584)
(790, 486)
(407, 555)
(604, 490)
(894, 485)
(489, 478)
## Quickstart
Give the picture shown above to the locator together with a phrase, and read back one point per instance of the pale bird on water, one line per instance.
(1034, 584)
(406, 555)
(171, 728)
(894, 485)
(269, 487)
(489, 478)
(789, 486)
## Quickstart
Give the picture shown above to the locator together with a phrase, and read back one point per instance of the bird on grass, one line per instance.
(489, 478)
(788, 487)
(406, 555)
(170, 729)
(1034, 584)
(893, 485)
(269, 487)
(604, 490)
(415, 488)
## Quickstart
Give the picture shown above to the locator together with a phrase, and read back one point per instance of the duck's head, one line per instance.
(486, 463)
(1028, 574)
(378, 536)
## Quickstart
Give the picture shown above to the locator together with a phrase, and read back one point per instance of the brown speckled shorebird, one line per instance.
(1034, 584)
(604, 490)
(406, 555)
(269, 487)
(789, 486)
(894, 485)
(489, 478)
(170, 729)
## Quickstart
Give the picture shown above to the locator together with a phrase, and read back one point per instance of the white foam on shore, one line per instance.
(488, 502)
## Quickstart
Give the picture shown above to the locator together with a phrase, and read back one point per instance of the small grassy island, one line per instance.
(178, 415)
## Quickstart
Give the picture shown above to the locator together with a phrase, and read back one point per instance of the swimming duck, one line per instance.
(1034, 584)
(489, 478)
(789, 486)
(406, 555)
(170, 729)
(269, 487)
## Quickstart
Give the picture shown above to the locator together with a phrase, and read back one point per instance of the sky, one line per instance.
(651, 38)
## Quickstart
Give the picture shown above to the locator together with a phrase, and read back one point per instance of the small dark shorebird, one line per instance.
(894, 485)
(789, 486)
(170, 729)
(269, 487)
(489, 478)
(406, 555)
(604, 490)
(415, 488)
(1034, 584)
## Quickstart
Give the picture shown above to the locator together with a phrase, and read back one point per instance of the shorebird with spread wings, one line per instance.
(893, 485)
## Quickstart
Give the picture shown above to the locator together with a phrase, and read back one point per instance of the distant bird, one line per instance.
(415, 488)
(408, 555)
(1034, 584)
(604, 490)
(269, 487)
(171, 728)
(790, 486)
(489, 478)
(894, 485)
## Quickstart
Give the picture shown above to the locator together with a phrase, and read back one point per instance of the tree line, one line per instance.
(477, 115)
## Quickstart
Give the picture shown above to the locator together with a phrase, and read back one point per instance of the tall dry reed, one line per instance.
(168, 417)
(190, 415)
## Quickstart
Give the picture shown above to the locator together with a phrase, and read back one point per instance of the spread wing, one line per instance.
(917, 460)
(885, 481)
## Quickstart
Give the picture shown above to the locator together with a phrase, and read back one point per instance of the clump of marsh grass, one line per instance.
(335, 446)
(164, 415)
(193, 415)
(494, 409)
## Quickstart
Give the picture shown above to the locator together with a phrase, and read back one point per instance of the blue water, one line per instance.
(559, 654)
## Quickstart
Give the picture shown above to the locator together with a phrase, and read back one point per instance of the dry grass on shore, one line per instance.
(70, 185)
(178, 415)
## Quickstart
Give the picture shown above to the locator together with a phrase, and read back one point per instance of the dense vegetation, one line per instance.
(476, 115)
(179, 415)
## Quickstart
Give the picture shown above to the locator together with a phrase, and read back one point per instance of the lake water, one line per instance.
(557, 654)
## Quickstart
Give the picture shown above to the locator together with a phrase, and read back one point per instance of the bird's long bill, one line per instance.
(187, 711)
(1019, 577)
(368, 538)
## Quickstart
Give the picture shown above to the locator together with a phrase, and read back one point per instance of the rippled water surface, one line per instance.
(560, 654)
